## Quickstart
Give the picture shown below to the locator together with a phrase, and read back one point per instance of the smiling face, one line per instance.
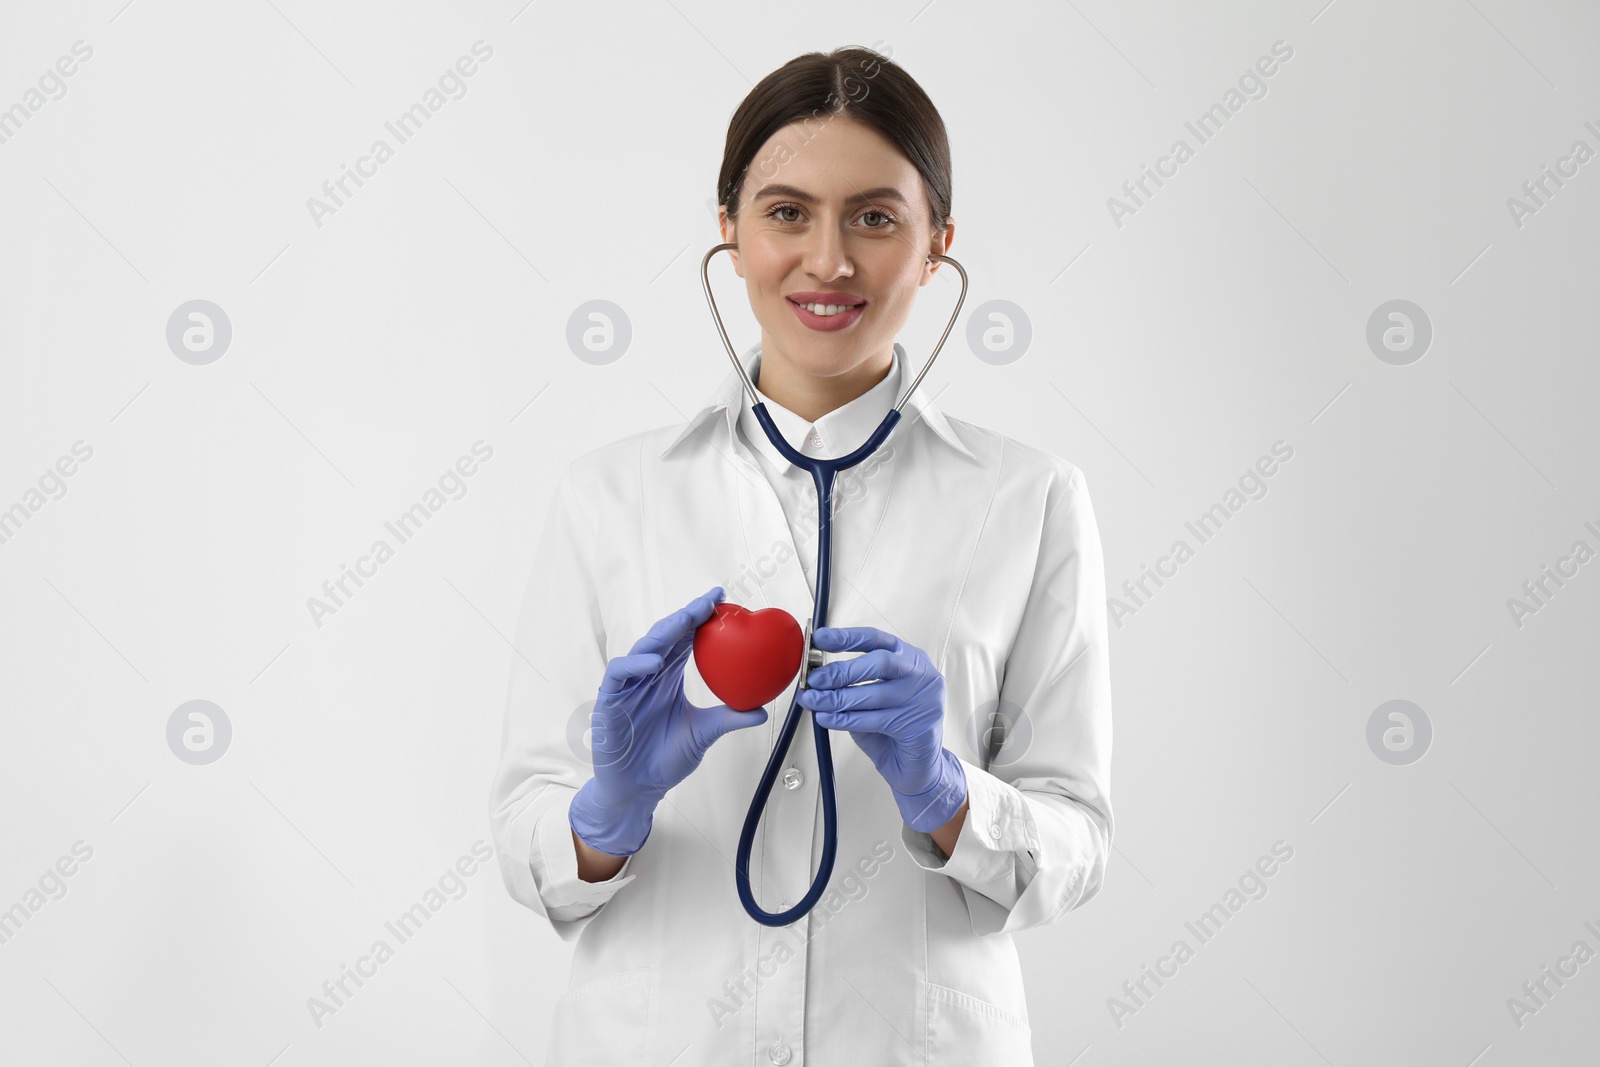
(832, 216)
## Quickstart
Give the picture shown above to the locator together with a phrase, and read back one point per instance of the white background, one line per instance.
(1167, 355)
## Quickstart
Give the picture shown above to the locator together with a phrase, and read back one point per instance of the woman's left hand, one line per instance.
(897, 719)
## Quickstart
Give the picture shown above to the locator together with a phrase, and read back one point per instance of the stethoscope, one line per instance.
(823, 472)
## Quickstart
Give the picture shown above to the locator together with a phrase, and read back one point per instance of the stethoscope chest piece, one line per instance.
(810, 658)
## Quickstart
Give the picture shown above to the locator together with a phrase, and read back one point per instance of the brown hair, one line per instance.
(854, 81)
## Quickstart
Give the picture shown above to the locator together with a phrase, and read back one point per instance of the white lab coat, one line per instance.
(978, 549)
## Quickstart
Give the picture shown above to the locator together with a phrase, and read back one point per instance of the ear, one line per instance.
(939, 244)
(729, 229)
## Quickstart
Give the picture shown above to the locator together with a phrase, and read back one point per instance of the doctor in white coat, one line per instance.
(976, 557)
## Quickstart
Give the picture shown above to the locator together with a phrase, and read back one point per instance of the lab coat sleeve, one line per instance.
(556, 666)
(1038, 829)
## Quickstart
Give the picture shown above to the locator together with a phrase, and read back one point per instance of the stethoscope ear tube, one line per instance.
(823, 472)
(749, 386)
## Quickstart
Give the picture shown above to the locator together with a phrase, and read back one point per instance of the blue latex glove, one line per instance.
(898, 720)
(647, 737)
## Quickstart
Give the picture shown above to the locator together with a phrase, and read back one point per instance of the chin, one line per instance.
(827, 359)
(822, 354)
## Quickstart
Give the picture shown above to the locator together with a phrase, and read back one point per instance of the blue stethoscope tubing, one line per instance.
(823, 472)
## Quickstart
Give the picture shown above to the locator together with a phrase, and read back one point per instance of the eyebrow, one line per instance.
(790, 191)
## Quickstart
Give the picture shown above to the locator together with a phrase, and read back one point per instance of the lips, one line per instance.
(840, 306)
(833, 297)
(839, 320)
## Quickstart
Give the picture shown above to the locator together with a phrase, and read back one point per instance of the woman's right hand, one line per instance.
(647, 737)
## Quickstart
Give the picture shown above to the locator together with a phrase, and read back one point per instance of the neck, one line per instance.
(812, 396)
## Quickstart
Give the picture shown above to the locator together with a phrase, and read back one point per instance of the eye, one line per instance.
(772, 213)
(889, 220)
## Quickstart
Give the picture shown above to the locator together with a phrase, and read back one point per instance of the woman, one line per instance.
(967, 571)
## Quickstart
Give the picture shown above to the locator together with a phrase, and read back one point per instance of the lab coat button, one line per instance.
(792, 778)
(994, 831)
(779, 1054)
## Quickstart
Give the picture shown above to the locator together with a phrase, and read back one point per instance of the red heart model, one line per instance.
(748, 657)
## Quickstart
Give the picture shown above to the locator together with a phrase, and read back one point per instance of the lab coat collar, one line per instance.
(729, 399)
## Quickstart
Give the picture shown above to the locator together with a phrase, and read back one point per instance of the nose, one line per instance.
(825, 256)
